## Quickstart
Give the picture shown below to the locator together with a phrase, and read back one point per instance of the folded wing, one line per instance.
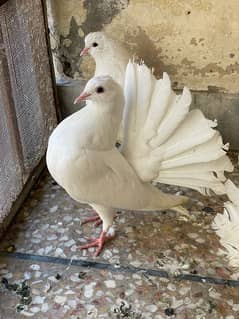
(106, 178)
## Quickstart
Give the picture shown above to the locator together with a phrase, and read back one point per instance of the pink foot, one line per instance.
(95, 218)
(99, 242)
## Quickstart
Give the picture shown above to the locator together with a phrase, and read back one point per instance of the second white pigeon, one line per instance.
(111, 57)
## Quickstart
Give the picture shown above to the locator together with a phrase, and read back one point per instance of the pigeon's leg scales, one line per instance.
(95, 218)
(99, 242)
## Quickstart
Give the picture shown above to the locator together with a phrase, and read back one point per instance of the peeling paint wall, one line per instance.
(196, 42)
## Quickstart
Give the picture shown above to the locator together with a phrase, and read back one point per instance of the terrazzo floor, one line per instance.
(160, 264)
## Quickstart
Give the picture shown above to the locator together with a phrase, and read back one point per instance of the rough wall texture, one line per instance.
(27, 108)
(195, 41)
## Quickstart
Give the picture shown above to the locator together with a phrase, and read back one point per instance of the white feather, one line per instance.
(111, 58)
(232, 192)
(176, 113)
(161, 134)
(226, 225)
(110, 55)
(163, 142)
(219, 165)
(82, 158)
(161, 96)
(207, 151)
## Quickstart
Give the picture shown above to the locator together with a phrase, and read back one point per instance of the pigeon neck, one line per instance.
(115, 107)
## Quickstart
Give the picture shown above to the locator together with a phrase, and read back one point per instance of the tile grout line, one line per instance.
(121, 268)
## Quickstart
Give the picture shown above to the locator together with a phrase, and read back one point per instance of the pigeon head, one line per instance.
(95, 43)
(101, 89)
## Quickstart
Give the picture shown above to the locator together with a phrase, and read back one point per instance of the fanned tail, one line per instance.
(164, 141)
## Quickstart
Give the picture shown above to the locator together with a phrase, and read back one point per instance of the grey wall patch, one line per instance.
(99, 14)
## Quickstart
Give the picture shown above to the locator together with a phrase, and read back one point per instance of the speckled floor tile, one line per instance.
(73, 292)
(49, 224)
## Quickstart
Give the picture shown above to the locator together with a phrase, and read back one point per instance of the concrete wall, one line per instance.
(196, 42)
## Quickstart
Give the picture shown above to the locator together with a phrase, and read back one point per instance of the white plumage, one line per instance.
(162, 142)
(165, 142)
(226, 225)
(110, 56)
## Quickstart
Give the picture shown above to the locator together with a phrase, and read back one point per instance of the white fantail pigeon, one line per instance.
(162, 142)
(110, 56)
(226, 225)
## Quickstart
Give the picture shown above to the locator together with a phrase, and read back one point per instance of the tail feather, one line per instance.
(198, 183)
(232, 192)
(172, 119)
(226, 225)
(209, 151)
(165, 142)
(145, 81)
(162, 95)
(219, 165)
(194, 130)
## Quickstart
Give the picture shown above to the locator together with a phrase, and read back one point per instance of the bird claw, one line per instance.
(99, 242)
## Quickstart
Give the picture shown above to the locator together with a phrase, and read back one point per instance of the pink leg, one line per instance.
(95, 218)
(99, 242)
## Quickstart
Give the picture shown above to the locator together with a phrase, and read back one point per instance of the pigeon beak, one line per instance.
(82, 97)
(85, 51)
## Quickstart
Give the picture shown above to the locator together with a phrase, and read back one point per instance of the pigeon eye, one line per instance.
(100, 89)
(94, 44)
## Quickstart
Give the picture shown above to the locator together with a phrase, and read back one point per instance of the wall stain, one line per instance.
(144, 46)
(148, 52)
(211, 68)
(99, 14)
(183, 40)
(193, 41)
